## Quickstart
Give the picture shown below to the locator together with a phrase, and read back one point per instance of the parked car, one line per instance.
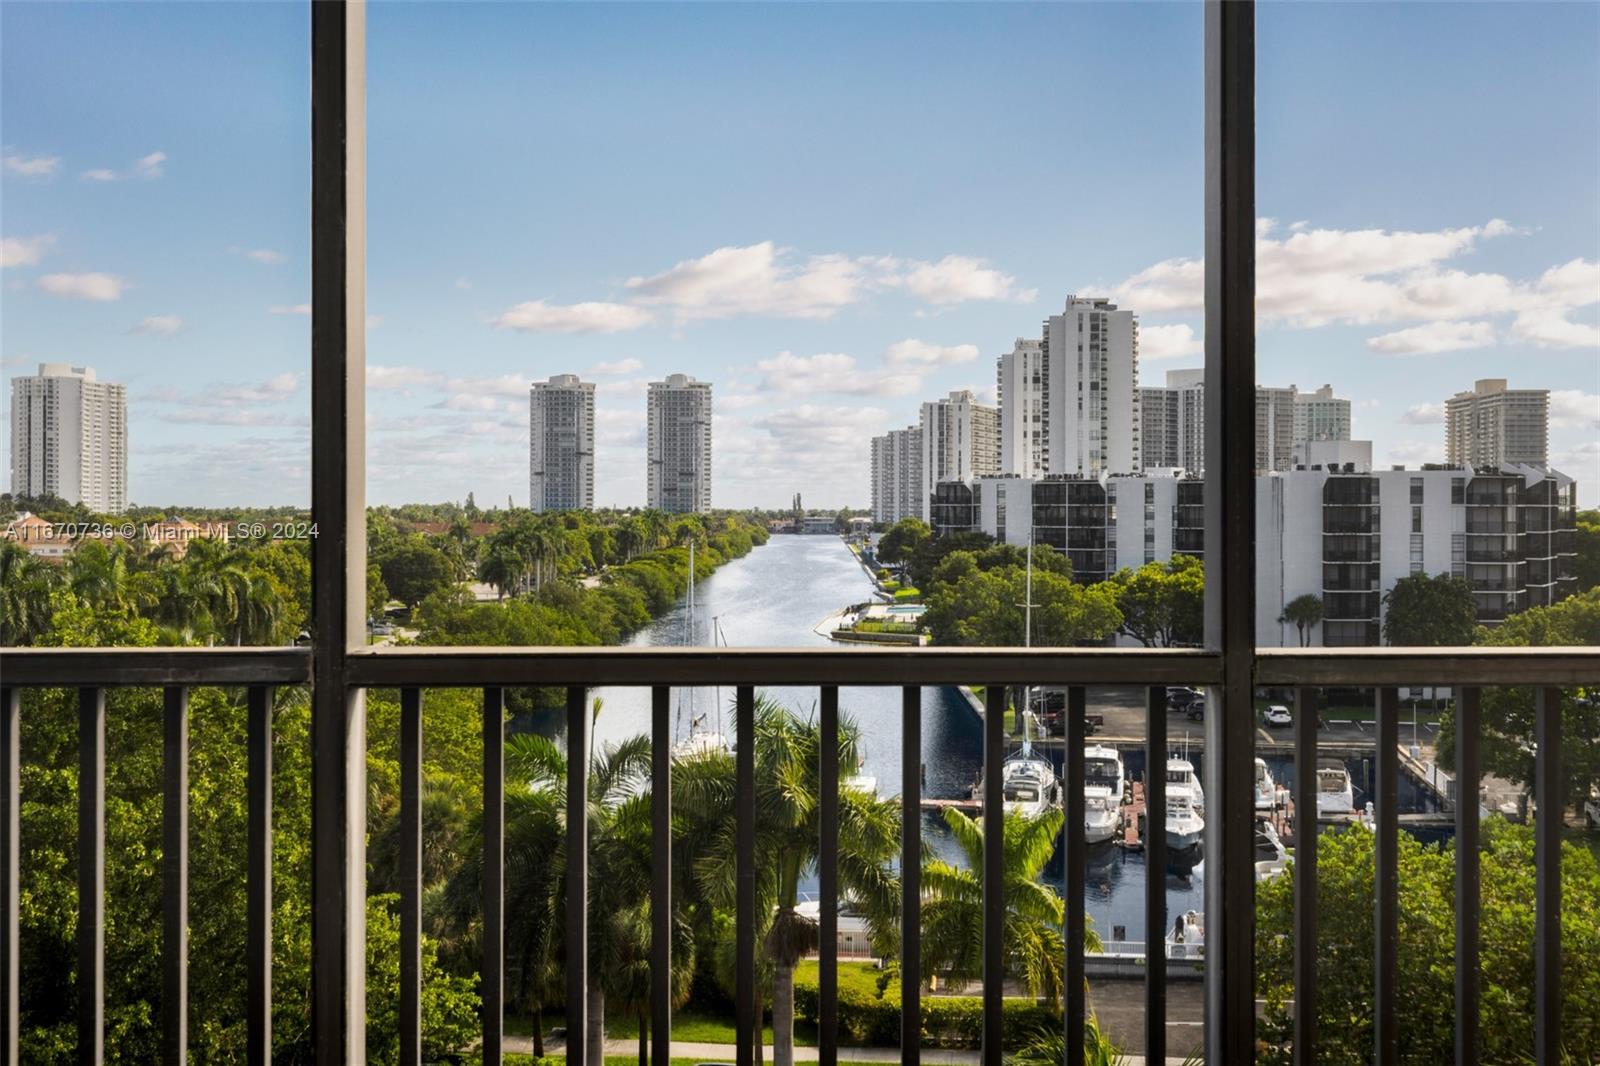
(1196, 710)
(1277, 715)
(1179, 697)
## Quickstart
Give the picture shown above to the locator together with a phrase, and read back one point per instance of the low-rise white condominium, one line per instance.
(1345, 534)
(960, 441)
(897, 475)
(69, 437)
(678, 445)
(1493, 424)
(561, 444)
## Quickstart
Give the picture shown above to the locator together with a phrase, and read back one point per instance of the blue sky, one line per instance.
(831, 212)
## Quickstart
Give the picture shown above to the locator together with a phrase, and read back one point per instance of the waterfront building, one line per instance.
(561, 444)
(69, 437)
(1492, 425)
(1090, 378)
(1321, 415)
(960, 441)
(897, 489)
(1024, 409)
(1344, 533)
(678, 445)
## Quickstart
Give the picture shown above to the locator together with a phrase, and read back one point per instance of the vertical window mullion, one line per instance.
(175, 876)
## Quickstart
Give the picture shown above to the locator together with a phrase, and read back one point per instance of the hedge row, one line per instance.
(947, 1021)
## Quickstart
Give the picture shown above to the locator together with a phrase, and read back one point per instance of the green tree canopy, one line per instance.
(413, 570)
(903, 539)
(971, 606)
(1429, 611)
(1163, 604)
(1305, 612)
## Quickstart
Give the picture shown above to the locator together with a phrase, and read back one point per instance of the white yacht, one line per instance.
(704, 738)
(1102, 793)
(1272, 858)
(1266, 787)
(1028, 780)
(1187, 938)
(1186, 805)
(1334, 794)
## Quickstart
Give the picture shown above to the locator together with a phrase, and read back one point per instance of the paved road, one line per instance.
(724, 1053)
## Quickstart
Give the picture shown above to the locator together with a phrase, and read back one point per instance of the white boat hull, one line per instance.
(1183, 836)
(1100, 826)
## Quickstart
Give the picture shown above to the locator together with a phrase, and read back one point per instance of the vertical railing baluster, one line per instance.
(1307, 712)
(1469, 772)
(1386, 881)
(994, 877)
(661, 913)
(175, 876)
(1155, 881)
(10, 855)
(578, 723)
(1547, 877)
(410, 877)
(747, 1023)
(258, 875)
(911, 875)
(91, 875)
(494, 874)
(1075, 853)
(828, 881)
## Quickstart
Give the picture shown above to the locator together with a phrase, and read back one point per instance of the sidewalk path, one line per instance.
(723, 1053)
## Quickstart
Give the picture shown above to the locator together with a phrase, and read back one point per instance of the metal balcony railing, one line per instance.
(339, 668)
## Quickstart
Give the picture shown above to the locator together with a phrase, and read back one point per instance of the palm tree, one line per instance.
(501, 567)
(788, 830)
(1306, 613)
(25, 585)
(952, 909)
(98, 575)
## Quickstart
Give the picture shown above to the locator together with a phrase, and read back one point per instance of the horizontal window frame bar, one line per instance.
(474, 667)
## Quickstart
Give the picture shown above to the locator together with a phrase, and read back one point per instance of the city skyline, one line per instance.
(161, 238)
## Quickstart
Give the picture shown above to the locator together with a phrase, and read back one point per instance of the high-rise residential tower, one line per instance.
(1493, 425)
(1091, 386)
(678, 445)
(960, 441)
(69, 437)
(1160, 413)
(897, 475)
(561, 444)
(1321, 415)
(1020, 384)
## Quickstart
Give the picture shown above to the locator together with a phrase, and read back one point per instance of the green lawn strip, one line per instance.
(688, 1024)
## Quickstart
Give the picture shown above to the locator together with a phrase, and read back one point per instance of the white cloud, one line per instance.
(1575, 408)
(1168, 342)
(290, 309)
(83, 286)
(159, 325)
(264, 255)
(234, 403)
(504, 385)
(915, 353)
(24, 251)
(150, 166)
(269, 391)
(536, 316)
(831, 372)
(401, 378)
(147, 168)
(758, 279)
(1316, 277)
(466, 402)
(463, 283)
(615, 369)
(1434, 337)
(957, 278)
(29, 166)
(1424, 414)
(1412, 452)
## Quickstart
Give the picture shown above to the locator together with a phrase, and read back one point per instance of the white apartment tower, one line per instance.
(69, 437)
(678, 445)
(960, 441)
(1091, 385)
(1493, 425)
(561, 444)
(1020, 384)
(1160, 419)
(1321, 415)
(897, 475)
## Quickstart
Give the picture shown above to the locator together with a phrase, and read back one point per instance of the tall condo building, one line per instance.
(561, 444)
(69, 437)
(1493, 425)
(1321, 415)
(897, 475)
(960, 441)
(1160, 414)
(1020, 384)
(1091, 389)
(1285, 418)
(678, 445)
